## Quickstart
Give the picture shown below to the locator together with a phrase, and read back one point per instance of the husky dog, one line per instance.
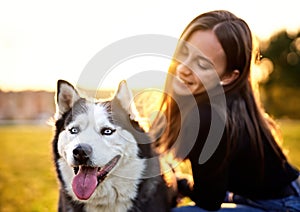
(103, 158)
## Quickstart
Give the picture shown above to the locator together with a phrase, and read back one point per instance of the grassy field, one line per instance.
(27, 176)
(291, 140)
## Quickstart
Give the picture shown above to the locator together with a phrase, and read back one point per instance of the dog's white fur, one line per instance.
(116, 193)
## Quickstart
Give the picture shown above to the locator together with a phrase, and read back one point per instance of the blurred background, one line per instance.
(43, 41)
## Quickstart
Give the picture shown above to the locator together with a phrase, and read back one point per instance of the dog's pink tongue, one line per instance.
(85, 182)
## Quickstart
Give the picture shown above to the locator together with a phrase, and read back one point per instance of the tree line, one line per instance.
(281, 93)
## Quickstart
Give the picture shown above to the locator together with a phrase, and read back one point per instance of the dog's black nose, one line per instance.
(82, 153)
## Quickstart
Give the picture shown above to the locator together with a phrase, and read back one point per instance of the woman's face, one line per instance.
(202, 63)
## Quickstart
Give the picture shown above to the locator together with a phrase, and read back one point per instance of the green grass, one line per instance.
(290, 130)
(27, 176)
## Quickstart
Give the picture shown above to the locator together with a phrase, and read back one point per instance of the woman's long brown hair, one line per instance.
(243, 108)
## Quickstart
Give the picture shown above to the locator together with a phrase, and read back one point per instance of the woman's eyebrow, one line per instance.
(196, 50)
(189, 47)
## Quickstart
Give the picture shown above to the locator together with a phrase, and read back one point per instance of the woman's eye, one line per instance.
(74, 130)
(203, 64)
(107, 131)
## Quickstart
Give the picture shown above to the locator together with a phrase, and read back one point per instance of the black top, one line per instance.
(240, 175)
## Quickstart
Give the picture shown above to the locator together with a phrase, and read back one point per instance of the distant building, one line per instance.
(26, 106)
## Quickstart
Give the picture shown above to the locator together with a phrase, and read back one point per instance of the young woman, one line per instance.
(212, 118)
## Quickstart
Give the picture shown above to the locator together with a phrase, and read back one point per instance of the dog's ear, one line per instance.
(125, 97)
(66, 95)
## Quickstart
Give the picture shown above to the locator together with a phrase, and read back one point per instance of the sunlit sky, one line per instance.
(43, 41)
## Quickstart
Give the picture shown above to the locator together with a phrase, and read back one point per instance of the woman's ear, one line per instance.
(230, 77)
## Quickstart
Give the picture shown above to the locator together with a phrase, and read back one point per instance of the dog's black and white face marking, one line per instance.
(95, 154)
(92, 146)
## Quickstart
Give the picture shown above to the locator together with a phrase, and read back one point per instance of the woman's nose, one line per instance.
(183, 70)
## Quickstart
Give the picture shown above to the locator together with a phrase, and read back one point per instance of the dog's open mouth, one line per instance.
(88, 178)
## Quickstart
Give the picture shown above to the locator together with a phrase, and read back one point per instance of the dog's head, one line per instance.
(94, 140)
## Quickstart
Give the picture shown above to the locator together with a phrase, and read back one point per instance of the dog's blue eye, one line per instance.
(107, 131)
(74, 130)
